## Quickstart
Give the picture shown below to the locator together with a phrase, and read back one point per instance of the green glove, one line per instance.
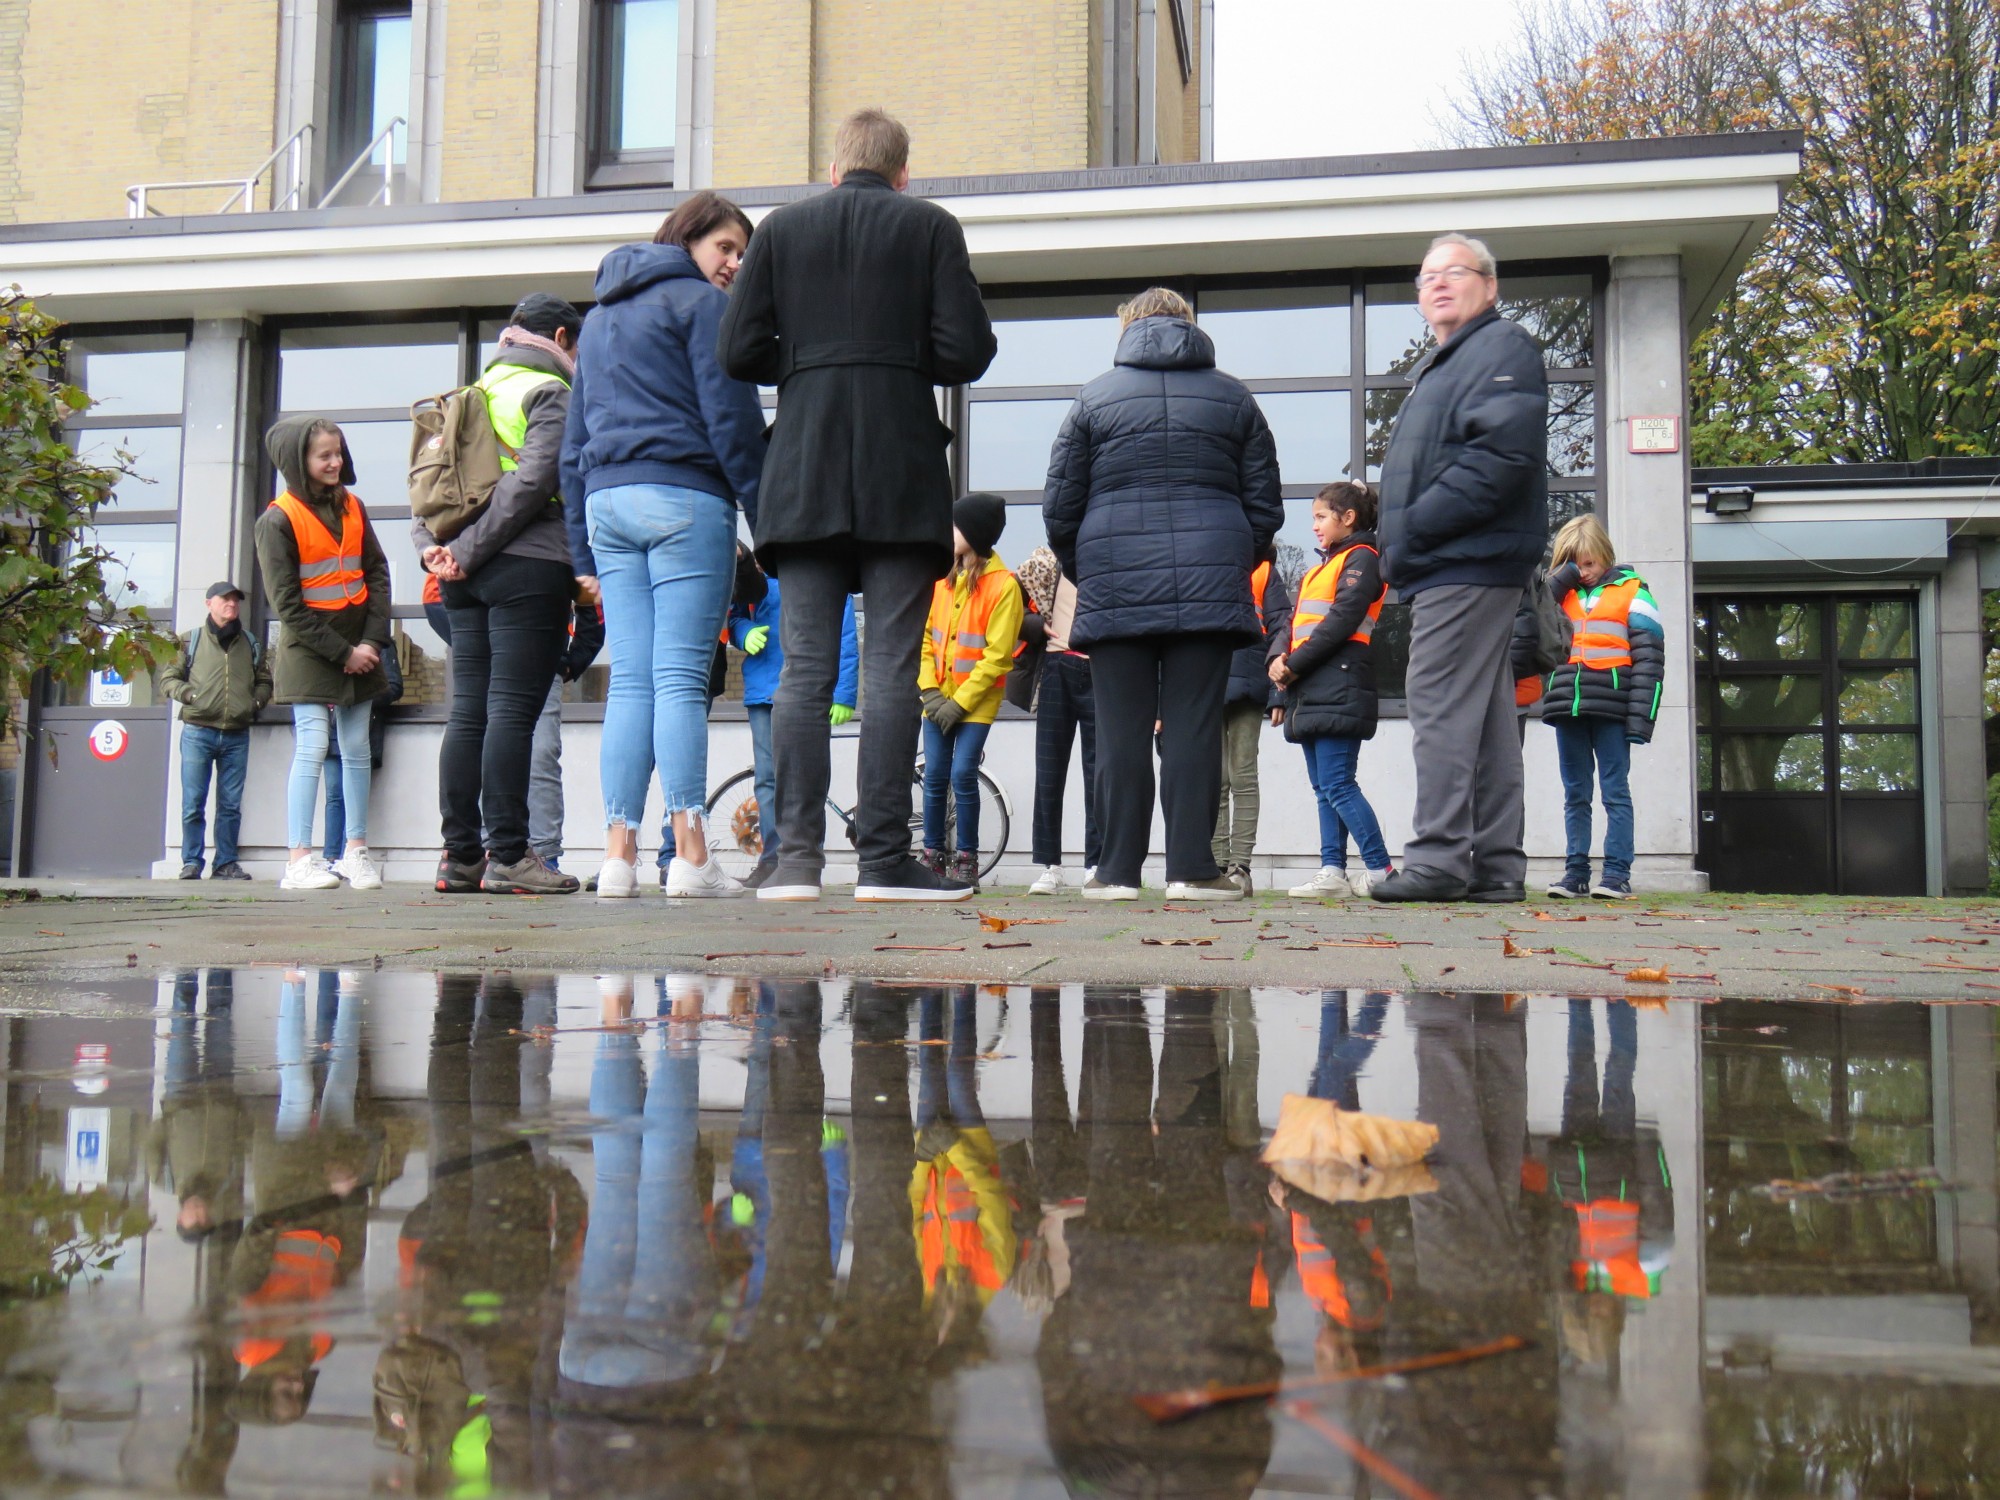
(950, 714)
(839, 714)
(755, 639)
(933, 701)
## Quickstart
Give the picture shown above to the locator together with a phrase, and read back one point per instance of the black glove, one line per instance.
(949, 715)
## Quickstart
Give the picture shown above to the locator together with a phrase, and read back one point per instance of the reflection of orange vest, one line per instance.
(1607, 1233)
(1316, 595)
(957, 646)
(1260, 580)
(330, 573)
(1599, 637)
(302, 1270)
(951, 1231)
(1320, 1279)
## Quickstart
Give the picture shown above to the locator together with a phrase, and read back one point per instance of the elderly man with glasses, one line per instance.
(1464, 520)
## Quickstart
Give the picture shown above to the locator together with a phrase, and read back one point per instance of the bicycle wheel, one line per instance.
(735, 834)
(994, 823)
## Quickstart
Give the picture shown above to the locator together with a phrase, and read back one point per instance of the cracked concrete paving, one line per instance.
(1741, 947)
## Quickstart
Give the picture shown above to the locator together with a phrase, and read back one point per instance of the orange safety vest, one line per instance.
(1260, 580)
(1316, 595)
(957, 645)
(302, 1270)
(951, 1231)
(330, 573)
(1607, 1260)
(1319, 1278)
(1599, 637)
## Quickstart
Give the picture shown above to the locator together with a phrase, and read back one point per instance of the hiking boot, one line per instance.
(1221, 888)
(309, 872)
(964, 869)
(936, 861)
(703, 881)
(527, 876)
(230, 871)
(191, 871)
(1241, 875)
(1329, 884)
(456, 877)
(911, 880)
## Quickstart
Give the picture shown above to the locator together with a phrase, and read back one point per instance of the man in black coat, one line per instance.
(855, 304)
(1464, 520)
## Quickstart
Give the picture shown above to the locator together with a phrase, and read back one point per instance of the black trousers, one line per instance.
(895, 588)
(1178, 681)
(509, 627)
(1065, 706)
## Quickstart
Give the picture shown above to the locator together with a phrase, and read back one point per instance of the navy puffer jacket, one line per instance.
(1163, 493)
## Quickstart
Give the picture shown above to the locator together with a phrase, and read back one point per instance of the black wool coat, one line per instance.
(1163, 493)
(856, 303)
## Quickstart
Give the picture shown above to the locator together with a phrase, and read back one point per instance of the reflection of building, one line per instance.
(201, 330)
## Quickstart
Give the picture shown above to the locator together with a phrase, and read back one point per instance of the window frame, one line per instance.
(347, 131)
(607, 167)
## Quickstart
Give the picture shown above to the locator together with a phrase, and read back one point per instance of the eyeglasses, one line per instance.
(1453, 274)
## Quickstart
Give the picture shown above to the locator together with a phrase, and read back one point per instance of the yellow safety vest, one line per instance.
(507, 389)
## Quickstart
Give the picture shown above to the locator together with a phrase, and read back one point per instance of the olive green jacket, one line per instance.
(217, 686)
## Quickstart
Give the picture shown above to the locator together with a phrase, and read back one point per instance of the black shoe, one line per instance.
(1496, 892)
(909, 881)
(764, 870)
(1418, 883)
(456, 877)
(191, 872)
(230, 871)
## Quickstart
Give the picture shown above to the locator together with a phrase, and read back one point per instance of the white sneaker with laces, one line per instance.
(1330, 882)
(617, 880)
(1367, 880)
(705, 880)
(1049, 882)
(309, 873)
(359, 871)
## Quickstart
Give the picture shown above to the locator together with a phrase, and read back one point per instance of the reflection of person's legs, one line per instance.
(673, 1273)
(816, 590)
(895, 595)
(1051, 1130)
(932, 1098)
(1125, 678)
(199, 748)
(1116, 1109)
(1188, 1115)
(343, 1072)
(1197, 667)
(764, 778)
(962, 1087)
(545, 783)
(183, 1053)
(295, 1080)
(883, 1280)
(1580, 1084)
(538, 1016)
(968, 746)
(218, 1033)
(594, 1348)
(1336, 1075)
(1620, 1107)
(310, 728)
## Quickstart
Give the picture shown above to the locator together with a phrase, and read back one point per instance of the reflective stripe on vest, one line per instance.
(957, 644)
(507, 389)
(1260, 580)
(330, 572)
(1316, 595)
(1599, 637)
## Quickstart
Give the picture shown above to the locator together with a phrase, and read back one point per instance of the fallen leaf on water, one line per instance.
(757, 953)
(1178, 942)
(1647, 976)
(993, 924)
(1318, 1130)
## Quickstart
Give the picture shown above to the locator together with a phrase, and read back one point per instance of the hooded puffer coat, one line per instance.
(1162, 493)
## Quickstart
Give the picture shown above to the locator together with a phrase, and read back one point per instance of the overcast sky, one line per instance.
(1333, 77)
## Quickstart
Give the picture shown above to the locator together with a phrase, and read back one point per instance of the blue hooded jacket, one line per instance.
(651, 403)
(760, 672)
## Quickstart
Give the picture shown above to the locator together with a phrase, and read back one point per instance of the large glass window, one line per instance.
(371, 84)
(636, 87)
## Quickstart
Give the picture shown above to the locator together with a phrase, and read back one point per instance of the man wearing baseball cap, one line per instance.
(220, 679)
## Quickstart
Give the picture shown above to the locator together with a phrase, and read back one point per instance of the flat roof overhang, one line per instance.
(1707, 199)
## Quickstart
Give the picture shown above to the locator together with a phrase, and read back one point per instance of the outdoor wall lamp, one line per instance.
(1729, 500)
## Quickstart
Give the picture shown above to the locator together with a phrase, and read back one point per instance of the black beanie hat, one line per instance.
(980, 518)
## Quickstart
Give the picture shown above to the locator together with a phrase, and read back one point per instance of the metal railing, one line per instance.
(138, 198)
(386, 193)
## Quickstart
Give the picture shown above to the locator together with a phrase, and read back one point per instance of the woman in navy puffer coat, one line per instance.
(1162, 497)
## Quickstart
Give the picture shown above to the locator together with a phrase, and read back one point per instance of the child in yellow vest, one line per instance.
(975, 623)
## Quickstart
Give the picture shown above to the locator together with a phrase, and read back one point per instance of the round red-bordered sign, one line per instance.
(108, 739)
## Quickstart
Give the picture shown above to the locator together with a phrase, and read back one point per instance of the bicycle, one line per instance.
(736, 837)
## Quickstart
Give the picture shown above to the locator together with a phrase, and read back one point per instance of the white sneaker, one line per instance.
(617, 880)
(1330, 882)
(358, 870)
(1221, 888)
(1049, 882)
(1367, 880)
(309, 873)
(706, 880)
(1095, 890)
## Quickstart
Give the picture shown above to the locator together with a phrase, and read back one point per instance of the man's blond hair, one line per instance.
(1155, 302)
(871, 140)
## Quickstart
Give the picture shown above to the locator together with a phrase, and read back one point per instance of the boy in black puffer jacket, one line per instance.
(1603, 700)
(1326, 665)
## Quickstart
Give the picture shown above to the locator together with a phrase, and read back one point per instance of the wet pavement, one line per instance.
(324, 1232)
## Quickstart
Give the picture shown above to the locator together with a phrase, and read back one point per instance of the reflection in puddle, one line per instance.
(496, 1234)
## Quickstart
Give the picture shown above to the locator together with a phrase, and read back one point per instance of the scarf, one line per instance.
(1038, 573)
(510, 335)
(225, 635)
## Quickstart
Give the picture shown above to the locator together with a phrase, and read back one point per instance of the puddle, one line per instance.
(336, 1233)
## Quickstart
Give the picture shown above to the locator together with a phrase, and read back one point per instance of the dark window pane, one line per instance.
(1052, 340)
(1704, 761)
(1877, 628)
(1279, 333)
(1572, 428)
(1011, 442)
(1701, 629)
(1379, 407)
(374, 83)
(1311, 431)
(154, 482)
(140, 374)
(642, 70)
(1879, 763)
(1879, 697)
(1566, 505)
(1761, 630)
(340, 369)
(1556, 310)
(1395, 331)
(1392, 649)
(1776, 700)
(1771, 762)
(142, 576)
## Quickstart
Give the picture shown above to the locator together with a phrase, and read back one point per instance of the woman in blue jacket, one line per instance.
(661, 450)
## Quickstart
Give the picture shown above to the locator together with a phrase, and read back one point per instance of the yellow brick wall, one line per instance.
(1177, 106)
(763, 93)
(489, 100)
(117, 92)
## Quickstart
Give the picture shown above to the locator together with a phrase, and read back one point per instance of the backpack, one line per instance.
(454, 460)
(1024, 679)
(193, 639)
(1551, 625)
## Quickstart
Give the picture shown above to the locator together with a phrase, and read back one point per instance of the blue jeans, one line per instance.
(227, 751)
(1580, 745)
(766, 776)
(1331, 762)
(333, 838)
(951, 769)
(312, 724)
(665, 559)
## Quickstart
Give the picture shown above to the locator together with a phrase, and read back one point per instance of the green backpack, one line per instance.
(454, 460)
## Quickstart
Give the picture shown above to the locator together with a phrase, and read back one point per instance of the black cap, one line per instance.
(980, 518)
(544, 313)
(219, 590)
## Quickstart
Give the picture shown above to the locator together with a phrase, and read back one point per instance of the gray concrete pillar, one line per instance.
(1961, 721)
(1964, 1094)
(1645, 375)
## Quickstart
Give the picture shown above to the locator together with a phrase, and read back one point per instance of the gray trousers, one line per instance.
(545, 788)
(1236, 815)
(895, 588)
(1460, 690)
